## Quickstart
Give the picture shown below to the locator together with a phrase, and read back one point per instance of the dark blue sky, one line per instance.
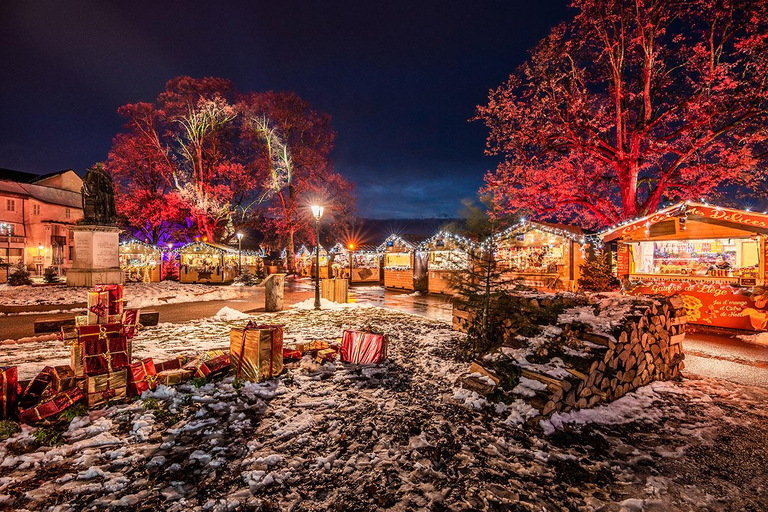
(400, 79)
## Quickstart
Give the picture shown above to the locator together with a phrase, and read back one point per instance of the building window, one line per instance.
(67, 213)
(10, 205)
(35, 209)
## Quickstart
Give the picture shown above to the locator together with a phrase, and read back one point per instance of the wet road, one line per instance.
(726, 357)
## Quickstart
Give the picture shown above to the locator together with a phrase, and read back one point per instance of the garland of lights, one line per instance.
(395, 239)
(462, 241)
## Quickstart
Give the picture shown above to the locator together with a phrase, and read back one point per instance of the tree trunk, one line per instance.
(290, 250)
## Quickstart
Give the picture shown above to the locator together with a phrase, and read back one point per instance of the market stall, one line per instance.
(405, 267)
(713, 257)
(302, 262)
(140, 262)
(447, 254)
(541, 255)
(252, 262)
(359, 264)
(338, 261)
(323, 262)
(207, 262)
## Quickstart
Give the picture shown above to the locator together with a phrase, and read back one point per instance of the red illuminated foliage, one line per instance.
(293, 144)
(632, 103)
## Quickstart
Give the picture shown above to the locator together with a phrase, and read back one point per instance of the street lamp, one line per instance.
(351, 247)
(239, 248)
(317, 212)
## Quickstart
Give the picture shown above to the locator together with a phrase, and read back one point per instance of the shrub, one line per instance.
(18, 275)
(50, 276)
(247, 279)
(73, 412)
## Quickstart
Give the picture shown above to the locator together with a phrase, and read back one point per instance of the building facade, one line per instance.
(36, 213)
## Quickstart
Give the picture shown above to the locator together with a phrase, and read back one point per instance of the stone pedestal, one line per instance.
(96, 256)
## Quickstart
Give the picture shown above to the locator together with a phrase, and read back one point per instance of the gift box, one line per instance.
(142, 376)
(38, 389)
(216, 366)
(98, 307)
(57, 404)
(175, 376)
(9, 392)
(256, 351)
(130, 322)
(99, 389)
(115, 299)
(76, 359)
(68, 335)
(62, 377)
(363, 347)
(81, 320)
(104, 348)
(312, 346)
(291, 354)
(173, 364)
(324, 355)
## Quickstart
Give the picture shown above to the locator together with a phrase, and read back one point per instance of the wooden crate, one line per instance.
(335, 290)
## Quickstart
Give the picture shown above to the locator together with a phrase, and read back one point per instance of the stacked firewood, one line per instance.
(595, 367)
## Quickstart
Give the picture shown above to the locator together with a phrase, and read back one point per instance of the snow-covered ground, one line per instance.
(138, 295)
(399, 435)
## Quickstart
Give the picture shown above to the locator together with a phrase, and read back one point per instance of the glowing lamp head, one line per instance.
(239, 236)
(317, 211)
(351, 246)
(40, 247)
(170, 245)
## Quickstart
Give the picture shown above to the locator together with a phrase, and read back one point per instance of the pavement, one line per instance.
(718, 355)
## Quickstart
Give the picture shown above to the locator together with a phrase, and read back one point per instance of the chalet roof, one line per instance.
(411, 242)
(703, 212)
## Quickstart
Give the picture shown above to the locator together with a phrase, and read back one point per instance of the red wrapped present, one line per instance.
(142, 376)
(213, 367)
(291, 354)
(38, 389)
(102, 388)
(54, 406)
(105, 348)
(115, 292)
(174, 376)
(256, 351)
(131, 322)
(363, 347)
(173, 364)
(98, 307)
(9, 392)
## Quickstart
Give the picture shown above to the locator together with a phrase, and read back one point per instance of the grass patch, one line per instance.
(73, 412)
(8, 428)
(151, 403)
(199, 382)
(48, 436)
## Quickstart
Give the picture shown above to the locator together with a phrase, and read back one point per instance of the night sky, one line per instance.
(399, 79)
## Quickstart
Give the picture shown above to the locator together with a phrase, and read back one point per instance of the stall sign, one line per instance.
(718, 305)
(622, 260)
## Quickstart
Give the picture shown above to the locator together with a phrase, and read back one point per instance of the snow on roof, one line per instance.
(754, 221)
(42, 193)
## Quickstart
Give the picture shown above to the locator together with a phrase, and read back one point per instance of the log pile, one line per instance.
(581, 367)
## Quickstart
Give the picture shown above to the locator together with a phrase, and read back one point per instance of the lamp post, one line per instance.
(168, 259)
(239, 249)
(40, 258)
(317, 212)
(351, 247)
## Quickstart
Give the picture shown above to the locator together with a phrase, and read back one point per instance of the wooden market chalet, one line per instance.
(713, 257)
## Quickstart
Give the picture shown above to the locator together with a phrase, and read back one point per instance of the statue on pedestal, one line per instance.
(98, 197)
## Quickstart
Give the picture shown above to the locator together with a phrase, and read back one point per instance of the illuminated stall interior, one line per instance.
(358, 263)
(252, 262)
(540, 255)
(338, 262)
(404, 266)
(692, 242)
(302, 262)
(448, 253)
(206, 262)
(323, 262)
(140, 262)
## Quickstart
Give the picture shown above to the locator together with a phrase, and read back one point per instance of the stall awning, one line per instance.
(748, 222)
